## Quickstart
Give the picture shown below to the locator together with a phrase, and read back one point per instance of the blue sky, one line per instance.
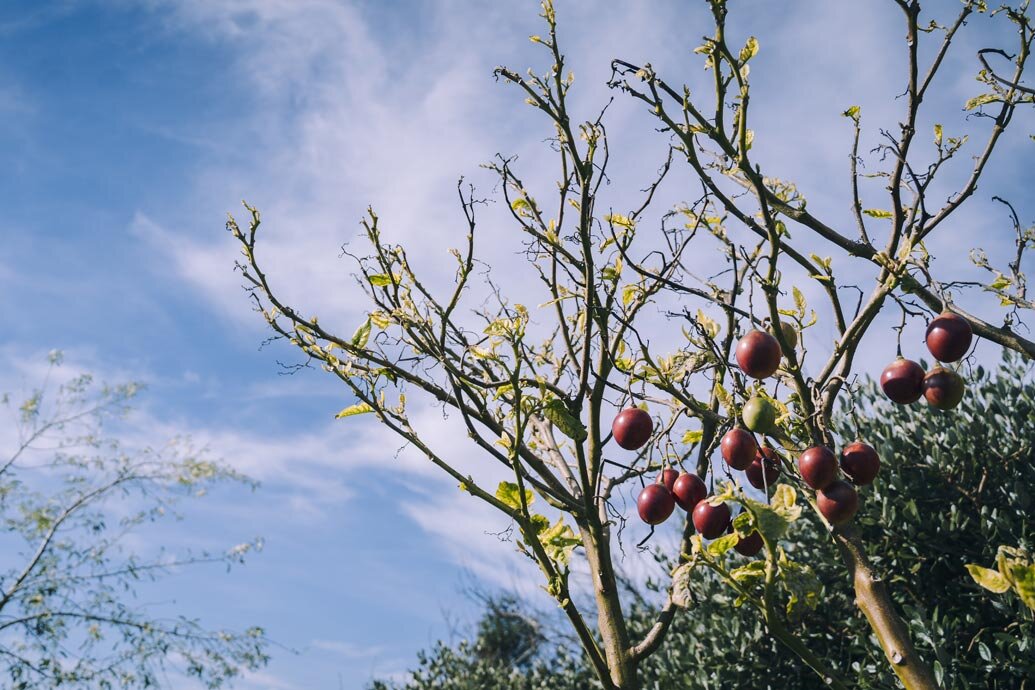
(129, 128)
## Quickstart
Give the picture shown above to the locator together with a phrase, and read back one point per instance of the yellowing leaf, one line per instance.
(978, 101)
(352, 410)
(620, 220)
(749, 50)
(710, 325)
(362, 335)
(693, 436)
(992, 580)
(877, 213)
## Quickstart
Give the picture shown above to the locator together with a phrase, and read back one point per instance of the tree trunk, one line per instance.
(614, 635)
(872, 598)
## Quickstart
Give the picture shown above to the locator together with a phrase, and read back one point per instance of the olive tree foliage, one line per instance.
(71, 499)
(952, 491)
(536, 387)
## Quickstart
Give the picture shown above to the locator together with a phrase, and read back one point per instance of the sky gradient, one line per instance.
(129, 128)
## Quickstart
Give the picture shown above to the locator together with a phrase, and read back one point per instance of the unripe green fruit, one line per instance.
(790, 334)
(759, 415)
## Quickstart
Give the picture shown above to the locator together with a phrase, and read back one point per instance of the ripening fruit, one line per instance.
(949, 337)
(790, 333)
(767, 469)
(943, 388)
(758, 354)
(818, 466)
(632, 428)
(759, 414)
(749, 546)
(838, 502)
(668, 477)
(711, 521)
(738, 448)
(860, 462)
(688, 491)
(903, 381)
(655, 503)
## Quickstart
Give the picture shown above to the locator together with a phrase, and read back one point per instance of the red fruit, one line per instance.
(949, 337)
(903, 381)
(758, 354)
(632, 428)
(655, 504)
(838, 502)
(818, 466)
(711, 521)
(749, 546)
(668, 477)
(771, 469)
(860, 462)
(688, 491)
(943, 388)
(738, 448)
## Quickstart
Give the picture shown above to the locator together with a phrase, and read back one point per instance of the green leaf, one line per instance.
(852, 112)
(722, 544)
(992, 580)
(749, 50)
(938, 135)
(353, 410)
(559, 541)
(750, 573)
(784, 502)
(772, 524)
(380, 279)
(1000, 283)
(877, 213)
(362, 334)
(693, 436)
(557, 412)
(510, 495)
(802, 585)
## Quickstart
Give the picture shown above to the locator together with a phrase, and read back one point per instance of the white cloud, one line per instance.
(349, 650)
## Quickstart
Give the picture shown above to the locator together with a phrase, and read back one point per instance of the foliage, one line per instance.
(71, 498)
(950, 490)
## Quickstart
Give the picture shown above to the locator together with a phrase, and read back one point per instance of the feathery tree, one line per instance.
(71, 498)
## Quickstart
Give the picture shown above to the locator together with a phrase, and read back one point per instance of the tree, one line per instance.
(943, 484)
(70, 496)
(538, 399)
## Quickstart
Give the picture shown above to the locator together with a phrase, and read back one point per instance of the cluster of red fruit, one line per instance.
(631, 429)
(904, 381)
(758, 355)
(836, 499)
